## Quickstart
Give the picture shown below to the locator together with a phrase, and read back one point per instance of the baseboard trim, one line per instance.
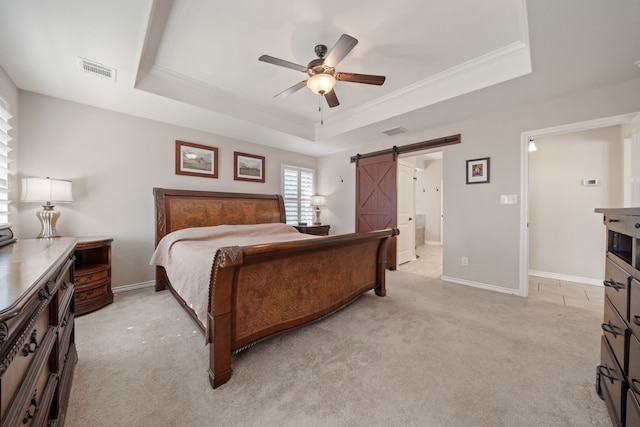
(480, 285)
(433, 242)
(133, 286)
(567, 278)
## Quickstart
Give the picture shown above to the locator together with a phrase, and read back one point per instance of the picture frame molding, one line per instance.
(204, 173)
(239, 176)
(483, 175)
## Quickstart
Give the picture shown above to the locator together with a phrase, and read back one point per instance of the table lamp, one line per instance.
(317, 201)
(48, 192)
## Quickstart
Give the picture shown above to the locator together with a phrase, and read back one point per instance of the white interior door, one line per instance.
(406, 241)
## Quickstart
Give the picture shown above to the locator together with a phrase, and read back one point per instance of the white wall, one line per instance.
(114, 161)
(475, 224)
(566, 236)
(432, 195)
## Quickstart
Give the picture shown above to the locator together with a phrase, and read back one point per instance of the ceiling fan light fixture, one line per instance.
(321, 83)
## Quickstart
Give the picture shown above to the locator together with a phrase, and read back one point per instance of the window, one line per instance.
(4, 161)
(297, 189)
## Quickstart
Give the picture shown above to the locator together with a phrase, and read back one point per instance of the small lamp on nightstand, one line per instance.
(317, 201)
(48, 192)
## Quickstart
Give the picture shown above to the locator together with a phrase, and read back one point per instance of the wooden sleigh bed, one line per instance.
(258, 291)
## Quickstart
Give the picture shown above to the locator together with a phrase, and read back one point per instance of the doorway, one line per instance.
(428, 210)
(557, 133)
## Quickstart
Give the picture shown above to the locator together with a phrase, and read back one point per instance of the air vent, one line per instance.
(98, 70)
(394, 131)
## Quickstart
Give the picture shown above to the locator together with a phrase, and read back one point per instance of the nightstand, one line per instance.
(317, 230)
(92, 274)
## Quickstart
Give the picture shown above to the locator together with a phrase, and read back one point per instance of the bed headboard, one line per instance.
(178, 209)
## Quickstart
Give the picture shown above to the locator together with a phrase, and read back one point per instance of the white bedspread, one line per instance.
(187, 255)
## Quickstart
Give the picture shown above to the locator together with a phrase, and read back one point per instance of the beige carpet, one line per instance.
(428, 354)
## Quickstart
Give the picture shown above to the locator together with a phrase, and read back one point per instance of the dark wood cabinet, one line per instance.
(37, 345)
(317, 230)
(618, 375)
(92, 277)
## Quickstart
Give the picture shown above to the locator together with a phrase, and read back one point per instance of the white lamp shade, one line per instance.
(45, 190)
(321, 83)
(317, 200)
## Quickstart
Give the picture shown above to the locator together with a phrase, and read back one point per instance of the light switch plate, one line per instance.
(508, 199)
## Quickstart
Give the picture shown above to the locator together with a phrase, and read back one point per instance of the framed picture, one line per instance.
(248, 167)
(478, 171)
(196, 160)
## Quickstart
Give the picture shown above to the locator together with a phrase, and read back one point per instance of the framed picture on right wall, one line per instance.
(478, 171)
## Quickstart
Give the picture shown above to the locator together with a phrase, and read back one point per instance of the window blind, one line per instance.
(5, 127)
(297, 189)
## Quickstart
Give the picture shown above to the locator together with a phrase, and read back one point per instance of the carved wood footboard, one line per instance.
(259, 291)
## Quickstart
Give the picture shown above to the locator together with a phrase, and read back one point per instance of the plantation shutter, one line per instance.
(5, 127)
(297, 189)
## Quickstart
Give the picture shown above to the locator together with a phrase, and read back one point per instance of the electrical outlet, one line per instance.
(464, 260)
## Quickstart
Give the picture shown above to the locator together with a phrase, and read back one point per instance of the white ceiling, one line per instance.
(195, 63)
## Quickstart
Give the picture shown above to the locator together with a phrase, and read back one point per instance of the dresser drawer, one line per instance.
(616, 332)
(64, 338)
(633, 409)
(612, 384)
(634, 306)
(24, 351)
(634, 364)
(37, 408)
(34, 382)
(616, 285)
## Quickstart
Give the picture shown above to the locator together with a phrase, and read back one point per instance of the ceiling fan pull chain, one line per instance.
(320, 108)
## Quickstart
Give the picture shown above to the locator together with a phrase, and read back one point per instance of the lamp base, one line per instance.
(317, 220)
(48, 218)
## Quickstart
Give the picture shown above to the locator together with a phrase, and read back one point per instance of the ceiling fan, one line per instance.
(322, 71)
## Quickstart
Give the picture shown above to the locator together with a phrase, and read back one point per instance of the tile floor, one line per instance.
(429, 264)
(563, 292)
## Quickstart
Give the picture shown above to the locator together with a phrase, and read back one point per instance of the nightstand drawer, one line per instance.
(90, 291)
(89, 275)
(316, 230)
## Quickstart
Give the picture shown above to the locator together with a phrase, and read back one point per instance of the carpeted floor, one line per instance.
(428, 354)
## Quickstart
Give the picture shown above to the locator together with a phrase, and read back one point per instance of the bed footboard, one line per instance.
(259, 291)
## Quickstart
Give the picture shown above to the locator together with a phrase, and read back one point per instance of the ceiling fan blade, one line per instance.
(342, 47)
(332, 99)
(282, 63)
(368, 79)
(292, 89)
